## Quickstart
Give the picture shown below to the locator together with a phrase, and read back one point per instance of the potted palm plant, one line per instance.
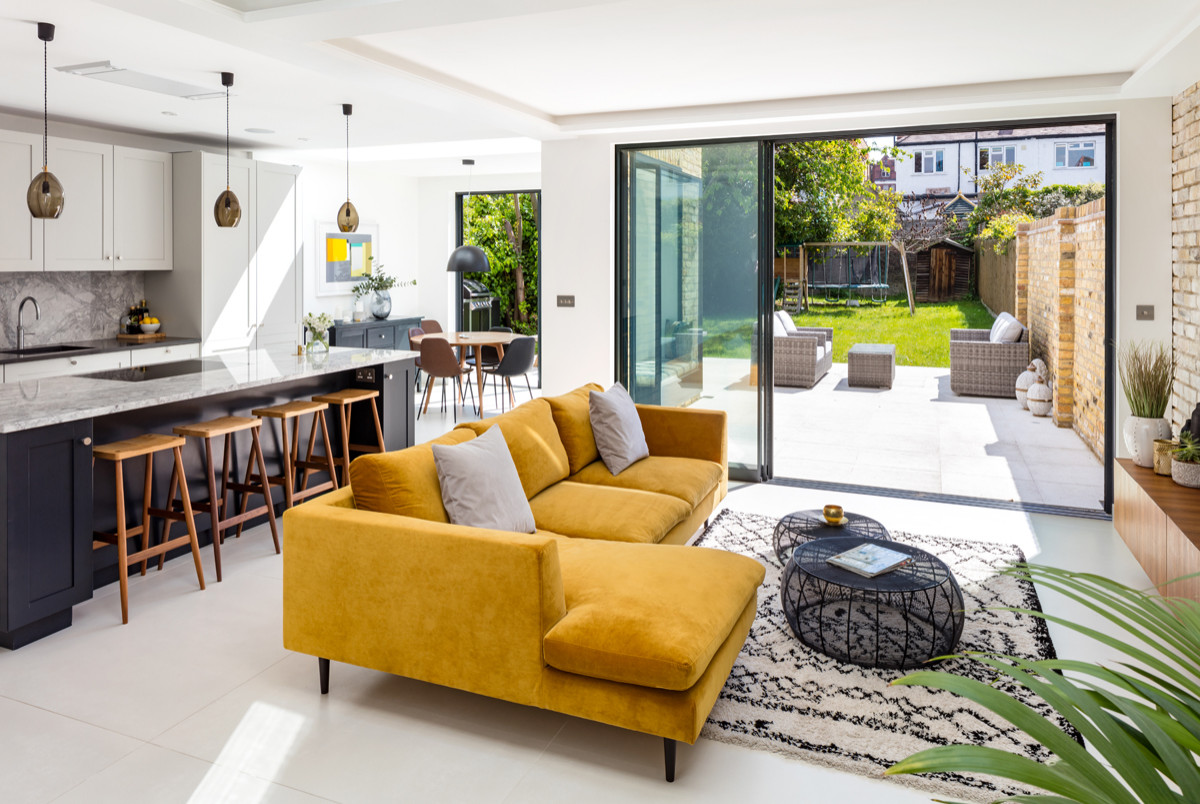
(1147, 371)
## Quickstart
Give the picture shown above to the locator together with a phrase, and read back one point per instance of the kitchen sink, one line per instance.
(42, 350)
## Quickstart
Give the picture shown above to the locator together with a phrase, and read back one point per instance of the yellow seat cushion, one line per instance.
(533, 441)
(689, 479)
(573, 416)
(611, 514)
(651, 615)
(403, 482)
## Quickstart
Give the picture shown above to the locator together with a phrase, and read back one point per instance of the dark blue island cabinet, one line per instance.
(46, 542)
(374, 333)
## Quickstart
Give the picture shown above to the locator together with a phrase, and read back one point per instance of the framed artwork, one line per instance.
(345, 258)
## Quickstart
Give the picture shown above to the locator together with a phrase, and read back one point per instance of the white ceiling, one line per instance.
(465, 71)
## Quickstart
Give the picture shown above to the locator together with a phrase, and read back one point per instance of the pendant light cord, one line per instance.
(347, 158)
(226, 136)
(45, 105)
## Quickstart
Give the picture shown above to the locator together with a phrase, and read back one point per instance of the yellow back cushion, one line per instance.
(573, 418)
(403, 482)
(533, 441)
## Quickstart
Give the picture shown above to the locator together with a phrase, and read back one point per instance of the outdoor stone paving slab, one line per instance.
(1008, 468)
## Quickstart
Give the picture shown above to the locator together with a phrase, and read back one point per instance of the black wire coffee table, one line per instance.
(900, 619)
(803, 526)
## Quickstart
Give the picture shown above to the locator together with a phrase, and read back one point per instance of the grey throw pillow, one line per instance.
(480, 484)
(617, 428)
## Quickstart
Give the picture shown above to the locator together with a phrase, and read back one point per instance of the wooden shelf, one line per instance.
(1160, 522)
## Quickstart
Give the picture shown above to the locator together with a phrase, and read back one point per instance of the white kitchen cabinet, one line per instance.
(153, 355)
(237, 287)
(81, 238)
(20, 232)
(142, 220)
(63, 366)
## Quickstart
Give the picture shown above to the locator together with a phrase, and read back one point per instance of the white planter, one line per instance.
(1039, 399)
(1186, 474)
(1024, 381)
(1139, 436)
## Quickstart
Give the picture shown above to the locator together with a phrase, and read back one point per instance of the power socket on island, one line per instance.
(365, 374)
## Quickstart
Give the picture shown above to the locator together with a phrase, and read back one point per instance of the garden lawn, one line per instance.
(921, 340)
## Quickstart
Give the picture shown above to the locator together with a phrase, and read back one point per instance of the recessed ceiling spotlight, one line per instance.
(302, 139)
(170, 114)
(260, 131)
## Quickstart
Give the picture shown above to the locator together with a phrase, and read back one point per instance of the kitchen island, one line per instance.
(52, 499)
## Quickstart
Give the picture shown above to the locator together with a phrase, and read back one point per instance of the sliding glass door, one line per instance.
(689, 286)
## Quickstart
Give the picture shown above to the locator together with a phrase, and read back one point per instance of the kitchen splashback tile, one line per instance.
(75, 305)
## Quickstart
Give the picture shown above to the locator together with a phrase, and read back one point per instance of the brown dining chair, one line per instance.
(429, 325)
(438, 361)
(416, 332)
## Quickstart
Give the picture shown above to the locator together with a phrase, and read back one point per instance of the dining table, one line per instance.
(472, 340)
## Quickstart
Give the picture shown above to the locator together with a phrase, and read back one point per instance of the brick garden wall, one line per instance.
(1185, 253)
(1060, 297)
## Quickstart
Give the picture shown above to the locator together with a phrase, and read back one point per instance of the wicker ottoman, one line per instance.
(872, 365)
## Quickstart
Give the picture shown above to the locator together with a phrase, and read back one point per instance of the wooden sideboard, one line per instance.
(1160, 521)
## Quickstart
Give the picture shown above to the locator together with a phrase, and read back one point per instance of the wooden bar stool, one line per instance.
(344, 400)
(292, 411)
(217, 505)
(118, 452)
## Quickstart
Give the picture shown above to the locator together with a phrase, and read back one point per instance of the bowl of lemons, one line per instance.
(150, 324)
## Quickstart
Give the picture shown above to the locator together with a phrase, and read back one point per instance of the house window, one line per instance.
(928, 161)
(1075, 154)
(997, 155)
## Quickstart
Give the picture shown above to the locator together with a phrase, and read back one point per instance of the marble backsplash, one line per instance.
(75, 305)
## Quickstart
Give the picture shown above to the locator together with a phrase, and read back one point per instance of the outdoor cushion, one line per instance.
(480, 485)
(786, 320)
(617, 428)
(1005, 329)
(572, 416)
(689, 479)
(404, 482)
(651, 615)
(588, 511)
(533, 441)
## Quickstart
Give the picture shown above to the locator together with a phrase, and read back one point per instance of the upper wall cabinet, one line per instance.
(117, 214)
(20, 233)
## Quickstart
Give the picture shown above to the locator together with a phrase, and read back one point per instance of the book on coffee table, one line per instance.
(869, 560)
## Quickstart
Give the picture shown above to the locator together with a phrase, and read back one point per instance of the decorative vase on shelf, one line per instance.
(316, 337)
(1186, 473)
(1163, 447)
(1140, 434)
(381, 303)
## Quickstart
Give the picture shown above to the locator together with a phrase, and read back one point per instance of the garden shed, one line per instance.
(942, 272)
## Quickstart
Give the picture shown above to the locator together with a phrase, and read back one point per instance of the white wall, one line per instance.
(578, 243)
(437, 235)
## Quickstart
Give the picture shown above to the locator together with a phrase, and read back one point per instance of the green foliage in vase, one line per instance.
(379, 280)
(1188, 450)
(505, 226)
(1140, 717)
(1147, 371)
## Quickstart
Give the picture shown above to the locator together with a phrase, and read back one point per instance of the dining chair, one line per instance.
(438, 361)
(429, 325)
(489, 354)
(518, 359)
(416, 332)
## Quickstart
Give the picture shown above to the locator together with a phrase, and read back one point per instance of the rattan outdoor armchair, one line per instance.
(979, 367)
(803, 356)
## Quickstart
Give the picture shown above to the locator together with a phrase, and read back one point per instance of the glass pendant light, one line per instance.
(347, 217)
(468, 259)
(45, 194)
(227, 210)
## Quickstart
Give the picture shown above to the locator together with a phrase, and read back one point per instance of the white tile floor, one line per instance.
(197, 701)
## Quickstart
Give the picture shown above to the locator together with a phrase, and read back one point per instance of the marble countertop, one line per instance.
(91, 347)
(38, 403)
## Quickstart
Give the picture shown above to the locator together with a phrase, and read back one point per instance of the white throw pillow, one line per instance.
(1005, 329)
(617, 428)
(778, 330)
(480, 484)
(786, 320)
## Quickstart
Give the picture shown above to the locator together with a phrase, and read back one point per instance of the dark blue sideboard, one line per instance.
(374, 333)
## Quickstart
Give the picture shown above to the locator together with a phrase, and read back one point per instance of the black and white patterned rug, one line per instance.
(783, 697)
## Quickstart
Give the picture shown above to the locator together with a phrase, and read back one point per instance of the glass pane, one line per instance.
(1060, 156)
(983, 158)
(689, 287)
(917, 162)
(939, 167)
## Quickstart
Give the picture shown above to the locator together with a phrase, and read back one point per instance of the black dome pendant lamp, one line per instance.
(45, 194)
(468, 259)
(227, 210)
(347, 217)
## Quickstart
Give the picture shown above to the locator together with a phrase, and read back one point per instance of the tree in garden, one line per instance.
(1006, 199)
(505, 226)
(923, 223)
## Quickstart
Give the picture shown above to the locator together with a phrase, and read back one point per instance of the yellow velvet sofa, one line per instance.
(604, 613)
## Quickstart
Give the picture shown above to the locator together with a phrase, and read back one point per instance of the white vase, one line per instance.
(1039, 398)
(1139, 433)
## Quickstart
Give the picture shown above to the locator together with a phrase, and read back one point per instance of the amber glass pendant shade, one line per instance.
(347, 218)
(227, 210)
(45, 196)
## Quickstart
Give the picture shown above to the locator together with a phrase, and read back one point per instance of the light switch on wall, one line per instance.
(1145, 312)
(566, 301)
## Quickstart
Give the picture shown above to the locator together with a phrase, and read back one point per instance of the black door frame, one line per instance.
(458, 241)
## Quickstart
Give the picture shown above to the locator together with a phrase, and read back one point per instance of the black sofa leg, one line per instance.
(323, 665)
(669, 757)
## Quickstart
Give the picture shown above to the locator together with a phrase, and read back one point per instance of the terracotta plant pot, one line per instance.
(1163, 447)
(1185, 473)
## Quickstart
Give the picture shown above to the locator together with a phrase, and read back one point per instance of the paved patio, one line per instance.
(916, 436)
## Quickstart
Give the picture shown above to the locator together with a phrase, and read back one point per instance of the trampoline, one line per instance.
(840, 270)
